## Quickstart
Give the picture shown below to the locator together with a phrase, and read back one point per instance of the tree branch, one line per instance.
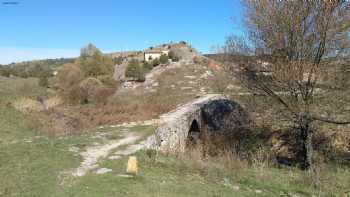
(317, 118)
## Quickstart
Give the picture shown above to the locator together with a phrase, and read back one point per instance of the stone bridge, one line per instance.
(212, 113)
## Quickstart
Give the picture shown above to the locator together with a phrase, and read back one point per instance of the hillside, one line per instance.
(53, 147)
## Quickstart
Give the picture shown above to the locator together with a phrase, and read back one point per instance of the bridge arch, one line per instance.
(193, 134)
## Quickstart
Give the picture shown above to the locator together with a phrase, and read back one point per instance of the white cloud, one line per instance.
(12, 54)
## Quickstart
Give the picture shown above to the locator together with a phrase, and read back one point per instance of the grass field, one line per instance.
(33, 164)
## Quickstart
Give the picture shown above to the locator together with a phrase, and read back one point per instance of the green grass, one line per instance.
(36, 166)
(15, 125)
(14, 88)
(172, 176)
(38, 169)
(39, 166)
(32, 165)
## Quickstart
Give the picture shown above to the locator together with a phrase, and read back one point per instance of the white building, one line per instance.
(154, 54)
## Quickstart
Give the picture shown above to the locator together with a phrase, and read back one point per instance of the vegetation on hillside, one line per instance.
(164, 59)
(173, 56)
(289, 82)
(298, 54)
(38, 68)
(136, 70)
(89, 79)
(94, 63)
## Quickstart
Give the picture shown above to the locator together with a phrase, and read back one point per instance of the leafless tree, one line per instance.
(299, 38)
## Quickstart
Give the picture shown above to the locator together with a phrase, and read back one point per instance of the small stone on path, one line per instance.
(235, 187)
(125, 176)
(258, 191)
(103, 171)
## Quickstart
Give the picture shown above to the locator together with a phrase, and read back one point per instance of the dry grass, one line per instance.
(53, 102)
(27, 105)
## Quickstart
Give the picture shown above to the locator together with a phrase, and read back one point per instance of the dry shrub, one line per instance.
(261, 159)
(215, 167)
(90, 83)
(201, 60)
(74, 95)
(102, 93)
(27, 105)
(340, 142)
(26, 88)
(53, 102)
(68, 76)
(108, 80)
(57, 121)
(92, 90)
(89, 90)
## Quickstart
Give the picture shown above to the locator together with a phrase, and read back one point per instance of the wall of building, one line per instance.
(152, 56)
(149, 56)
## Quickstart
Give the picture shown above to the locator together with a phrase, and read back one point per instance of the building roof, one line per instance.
(154, 51)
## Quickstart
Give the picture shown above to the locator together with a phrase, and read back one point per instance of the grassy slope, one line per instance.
(12, 88)
(31, 166)
(36, 166)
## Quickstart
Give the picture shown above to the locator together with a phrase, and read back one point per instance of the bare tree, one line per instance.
(299, 37)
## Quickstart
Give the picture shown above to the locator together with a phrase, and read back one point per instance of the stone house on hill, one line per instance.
(152, 54)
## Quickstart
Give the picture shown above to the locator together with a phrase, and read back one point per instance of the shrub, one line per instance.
(43, 81)
(40, 71)
(164, 59)
(147, 66)
(87, 91)
(68, 76)
(108, 80)
(91, 90)
(27, 105)
(173, 57)
(155, 62)
(89, 50)
(75, 95)
(88, 88)
(95, 65)
(5, 72)
(135, 70)
(118, 60)
(102, 93)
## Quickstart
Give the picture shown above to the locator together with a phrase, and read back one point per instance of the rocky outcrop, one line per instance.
(119, 71)
(213, 114)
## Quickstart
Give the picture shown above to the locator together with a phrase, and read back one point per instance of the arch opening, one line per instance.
(193, 134)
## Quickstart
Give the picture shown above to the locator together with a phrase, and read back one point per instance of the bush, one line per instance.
(5, 72)
(118, 60)
(95, 65)
(89, 50)
(173, 57)
(68, 76)
(90, 90)
(155, 62)
(183, 42)
(43, 81)
(135, 70)
(164, 59)
(147, 66)
(102, 93)
(108, 80)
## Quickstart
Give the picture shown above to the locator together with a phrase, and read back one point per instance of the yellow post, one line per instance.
(132, 167)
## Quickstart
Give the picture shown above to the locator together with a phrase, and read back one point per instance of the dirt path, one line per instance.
(93, 154)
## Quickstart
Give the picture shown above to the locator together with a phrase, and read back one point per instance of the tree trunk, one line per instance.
(306, 139)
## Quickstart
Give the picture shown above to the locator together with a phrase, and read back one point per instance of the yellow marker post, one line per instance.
(132, 167)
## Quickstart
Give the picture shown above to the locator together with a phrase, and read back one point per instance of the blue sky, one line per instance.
(37, 29)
